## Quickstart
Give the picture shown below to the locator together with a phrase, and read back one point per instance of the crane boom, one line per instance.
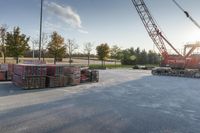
(186, 65)
(187, 14)
(152, 29)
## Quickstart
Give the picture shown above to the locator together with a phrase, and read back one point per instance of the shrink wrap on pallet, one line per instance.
(9, 70)
(56, 81)
(29, 76)
(71, 70)
(30, 82)
(2, 75)
(89, 75)
(74, 79)
(30, 70)
(55, 70)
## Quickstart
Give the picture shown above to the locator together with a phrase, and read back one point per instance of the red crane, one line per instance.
(176, 62)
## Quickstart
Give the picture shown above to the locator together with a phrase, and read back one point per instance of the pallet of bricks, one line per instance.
(94, 76)
(6, 72)
(55, 76)
(88, 75)
(73, 73)
(29, 76)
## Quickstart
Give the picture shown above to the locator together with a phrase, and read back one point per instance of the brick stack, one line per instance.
(55, 76)
(29, 76)
(89, 75)
(9, 70)
(85, 75)
(73, 74)
(2, 75)
(94, 76)
(32, 76)
(56, 81)
(55, 70)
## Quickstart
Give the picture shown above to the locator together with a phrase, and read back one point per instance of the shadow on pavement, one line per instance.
(133, 106)
(8, 88)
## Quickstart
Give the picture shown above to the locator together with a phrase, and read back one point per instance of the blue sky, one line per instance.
(103, 21)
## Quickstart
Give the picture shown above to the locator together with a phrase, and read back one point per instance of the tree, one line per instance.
(3, 30)
(103, 52)
(143, 57)
(71, 46)
(153, 58)
(44, 43)
(16, 43)
(138, 55)
(56, 46)
(115, 53)
(35, 42)
(88, 48)
(128, 57)
(45, 39)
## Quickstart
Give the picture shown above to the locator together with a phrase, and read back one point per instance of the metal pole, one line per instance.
(33, 51)
(40, 39)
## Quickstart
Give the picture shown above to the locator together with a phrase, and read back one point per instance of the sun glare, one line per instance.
(193, 36)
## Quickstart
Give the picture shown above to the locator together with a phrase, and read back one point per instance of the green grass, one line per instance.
(113, 66)
(109, 66)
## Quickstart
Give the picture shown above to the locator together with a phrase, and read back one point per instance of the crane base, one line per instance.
(167, 71)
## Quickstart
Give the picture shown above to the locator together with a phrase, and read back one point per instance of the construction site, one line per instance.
(71, 97)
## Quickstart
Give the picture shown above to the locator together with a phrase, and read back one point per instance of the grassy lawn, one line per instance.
(109, 66)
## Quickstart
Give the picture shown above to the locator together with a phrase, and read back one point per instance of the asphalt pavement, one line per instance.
(124, 101)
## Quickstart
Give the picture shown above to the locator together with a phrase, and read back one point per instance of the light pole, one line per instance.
(40, 39)
(33, 50)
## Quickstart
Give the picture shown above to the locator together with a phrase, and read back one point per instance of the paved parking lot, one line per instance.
(123, 101)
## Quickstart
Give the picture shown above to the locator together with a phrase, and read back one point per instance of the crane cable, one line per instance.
(187, 14)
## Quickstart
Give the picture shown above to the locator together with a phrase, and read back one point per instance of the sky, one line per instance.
(115, 22)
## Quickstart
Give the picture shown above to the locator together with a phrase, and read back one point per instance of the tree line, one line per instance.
(129, 56)
(16, 44)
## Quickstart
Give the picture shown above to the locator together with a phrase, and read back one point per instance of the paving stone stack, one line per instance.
(85, 75)
(73, 74)
(88, 75)
(94, 76)
(29, 76)
(9, 70)
(33, 76)
(2, 75)
(55, 76)
(56, 81)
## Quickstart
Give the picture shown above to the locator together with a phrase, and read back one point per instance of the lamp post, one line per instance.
(40, 38)
(33, 50)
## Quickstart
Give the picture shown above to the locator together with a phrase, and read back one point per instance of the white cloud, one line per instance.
(51, 27)
(66, 14)
(83, 31)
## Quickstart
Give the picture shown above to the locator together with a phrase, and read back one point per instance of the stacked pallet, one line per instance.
(94, 76)
(32, 76)
(56, 81)
(2, 75)
(55, 76)
(8, 68)
(73, 74)
(85, 75)
(55, 70)
(89, 75)
(29, 76)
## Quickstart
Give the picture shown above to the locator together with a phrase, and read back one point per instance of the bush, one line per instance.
(109, 66)
(97, 67)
